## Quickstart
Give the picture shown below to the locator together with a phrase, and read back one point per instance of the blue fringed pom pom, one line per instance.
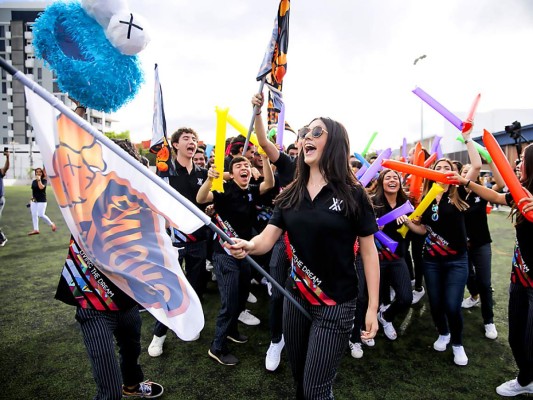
(87, 66)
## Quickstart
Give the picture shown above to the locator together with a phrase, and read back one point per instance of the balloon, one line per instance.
(480, 149)
(432, 158)
(362, 159)
(470, 116)
(439, 152)
(404, 149)
(375, 167)
(430, 101)
(242, 130)
(405, 208)
(281, 127)
(415, 188)
(369, 144)
(208, 150)
(511, 181)
(361, 172)
(427, 173)
(426, 201)
(386, 241)
(222, 114)
(435, 144)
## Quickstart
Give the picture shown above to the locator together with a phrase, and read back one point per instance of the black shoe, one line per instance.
(146, 389)
(224, 359)
(239, 338)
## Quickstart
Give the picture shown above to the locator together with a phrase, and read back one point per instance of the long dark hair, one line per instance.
(333, 165)
(378, 195)
(453, 193)
(526, 181)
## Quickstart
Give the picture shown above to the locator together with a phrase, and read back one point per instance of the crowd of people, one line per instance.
(284, 207)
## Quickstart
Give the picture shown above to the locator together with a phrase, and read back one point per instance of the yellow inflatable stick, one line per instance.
(220, 148)
(242, 130)
(426, 201)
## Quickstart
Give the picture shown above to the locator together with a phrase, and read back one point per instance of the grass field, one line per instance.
(42, 355)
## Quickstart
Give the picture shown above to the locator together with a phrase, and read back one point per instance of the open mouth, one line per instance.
(191, 147)
(309, 149)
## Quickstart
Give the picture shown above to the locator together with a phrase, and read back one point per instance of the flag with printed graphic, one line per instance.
(159, 144)
(117, 215)
(274, 65)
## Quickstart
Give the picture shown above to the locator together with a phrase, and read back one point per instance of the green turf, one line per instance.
(42, 355)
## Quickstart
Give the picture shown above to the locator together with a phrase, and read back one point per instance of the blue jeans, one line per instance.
(445, 283)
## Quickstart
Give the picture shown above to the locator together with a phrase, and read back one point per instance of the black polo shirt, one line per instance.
(322, 244)
(286, 169)
(236, 208)
(188, 184)
(446, 230)
(477, 226)
(391, 230)
(523, 251)
(38, 194)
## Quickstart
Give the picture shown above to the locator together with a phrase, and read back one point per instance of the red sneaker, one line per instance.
(33, 233)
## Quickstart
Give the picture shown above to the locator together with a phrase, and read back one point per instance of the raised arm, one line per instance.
(498, 178)
(473, 155)
(204, 194)
(268, 182)
(270, 148)
(6, 165)
(482, 191)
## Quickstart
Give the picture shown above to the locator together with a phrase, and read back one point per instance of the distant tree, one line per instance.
(121, 135)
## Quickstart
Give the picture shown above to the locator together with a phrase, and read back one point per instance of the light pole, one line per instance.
(421, 104)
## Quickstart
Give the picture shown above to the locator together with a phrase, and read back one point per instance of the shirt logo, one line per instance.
(477, 200)
(336, 206)
(200, 181)
(250, 197)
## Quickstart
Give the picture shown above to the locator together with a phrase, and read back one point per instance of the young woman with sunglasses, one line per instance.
(521, 287)
(323, 211)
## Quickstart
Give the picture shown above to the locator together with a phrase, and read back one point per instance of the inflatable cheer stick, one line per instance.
(220, 146)
(361, 159)
(435, 145)
(281, 127)
(430, 101)
(404, 149)
(208, 150)
(427, 173)
(480, 149)
(375, 167)
(470, 117)
(511, 181)
(416, 181)
(386, 241)
(432, 158)
(426, 201)
(369, 144)
(405, 208)
(361, 172)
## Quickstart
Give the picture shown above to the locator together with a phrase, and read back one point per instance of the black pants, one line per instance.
(398, 277)
(193, 255)
(279, 270)
(414, 259)
(479, 279)
(98, 329)
(315, 347)
(361, 302)
(233, 279)
(521, 330)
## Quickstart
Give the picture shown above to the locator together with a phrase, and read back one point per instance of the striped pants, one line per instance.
(315, 348)
(98, 329)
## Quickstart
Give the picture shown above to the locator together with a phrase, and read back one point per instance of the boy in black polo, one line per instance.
(186, 178)
(235, 213)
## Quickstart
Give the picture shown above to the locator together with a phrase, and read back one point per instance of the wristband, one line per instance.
(468, 183)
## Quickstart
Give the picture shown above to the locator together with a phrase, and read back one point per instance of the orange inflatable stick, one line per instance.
(511, 181)
(427, 173)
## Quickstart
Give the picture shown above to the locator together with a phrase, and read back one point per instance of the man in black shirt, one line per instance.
(186, 178)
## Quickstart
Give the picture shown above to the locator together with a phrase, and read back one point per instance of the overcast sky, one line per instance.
(351, 60)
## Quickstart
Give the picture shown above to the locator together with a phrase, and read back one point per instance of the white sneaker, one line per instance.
(441, 343)
(417, 295)
(490, 331)
(388, 328)
(273, 357)
(369, 342)
(251, 298)
(356, 349)
(459, 355)
(248, 319)
(156, 347)
(470, 302)
(513, 388)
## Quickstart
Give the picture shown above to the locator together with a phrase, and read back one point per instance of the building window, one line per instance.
(39, 73)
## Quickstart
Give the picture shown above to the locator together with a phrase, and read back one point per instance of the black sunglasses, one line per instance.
(316, 132)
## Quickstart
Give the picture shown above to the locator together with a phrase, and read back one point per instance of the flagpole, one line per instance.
(82, 123)
(251, 127)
